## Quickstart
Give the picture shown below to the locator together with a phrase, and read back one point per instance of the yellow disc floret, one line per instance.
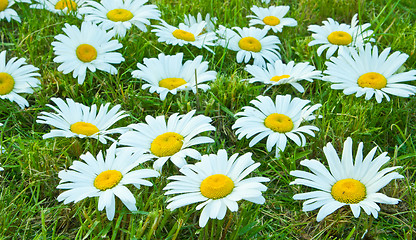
(271, 20)
(3, 5)
(340, 38)
(166, 144)
(171, 83)
(86, 53)
(278, 123)
(250, 44)
(183, 35)
(348, 191)
(84, 128)
(278, 78)
(119, 15)
(107, 179)
(216, 186)
(69, 4)
(6, 83)
(372, 80)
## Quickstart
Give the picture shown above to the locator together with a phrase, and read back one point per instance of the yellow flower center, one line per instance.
(250, 44)
(6, 83)
(271, 20)
(69, 4)
(107, 179)
(216, 186)
(84, 128)
(119, 15)
(184, 35)
(3, 4)
(86, 53)
(340, 38)
(166, 144)
(372, 80)
(278, 78)
(278, 123)
(171, 83)
(348, 191)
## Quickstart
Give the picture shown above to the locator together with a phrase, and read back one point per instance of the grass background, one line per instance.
(28, 205)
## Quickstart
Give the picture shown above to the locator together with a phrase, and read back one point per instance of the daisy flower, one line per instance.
(346, 183)
(6, 12)
(120, 15)
(60, 7)
(17, 77)
(210, 21)
(105, 178)
(91, 47)
(218, 183)
(74, 119)
(334, 36)
(265, 1)
(250, 43)
(185, 34)
(167, 74)
(163, 141)
(277, 120)
(366, 72)
(271, 18)
(279, 73)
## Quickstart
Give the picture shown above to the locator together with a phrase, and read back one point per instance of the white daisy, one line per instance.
(167, 141)
(103, 177)
(279, 73)
(271, 18)
(277, 120)
(250, 43)
(334, 36)
(346, 183)
(74, 119)
(210, 21)
(167, 74)
(120, 15)
(185, 34)
(60, 7)
(17, 77)
(366, 72)
(217, 182)
(265, 1)
(91, 47)
(6, 12)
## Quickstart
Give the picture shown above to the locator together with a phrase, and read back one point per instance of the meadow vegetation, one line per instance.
(28, 205)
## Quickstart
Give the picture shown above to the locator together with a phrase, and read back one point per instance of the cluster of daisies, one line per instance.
(217, 182)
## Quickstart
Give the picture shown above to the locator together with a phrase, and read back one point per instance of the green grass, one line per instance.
(28, 205)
